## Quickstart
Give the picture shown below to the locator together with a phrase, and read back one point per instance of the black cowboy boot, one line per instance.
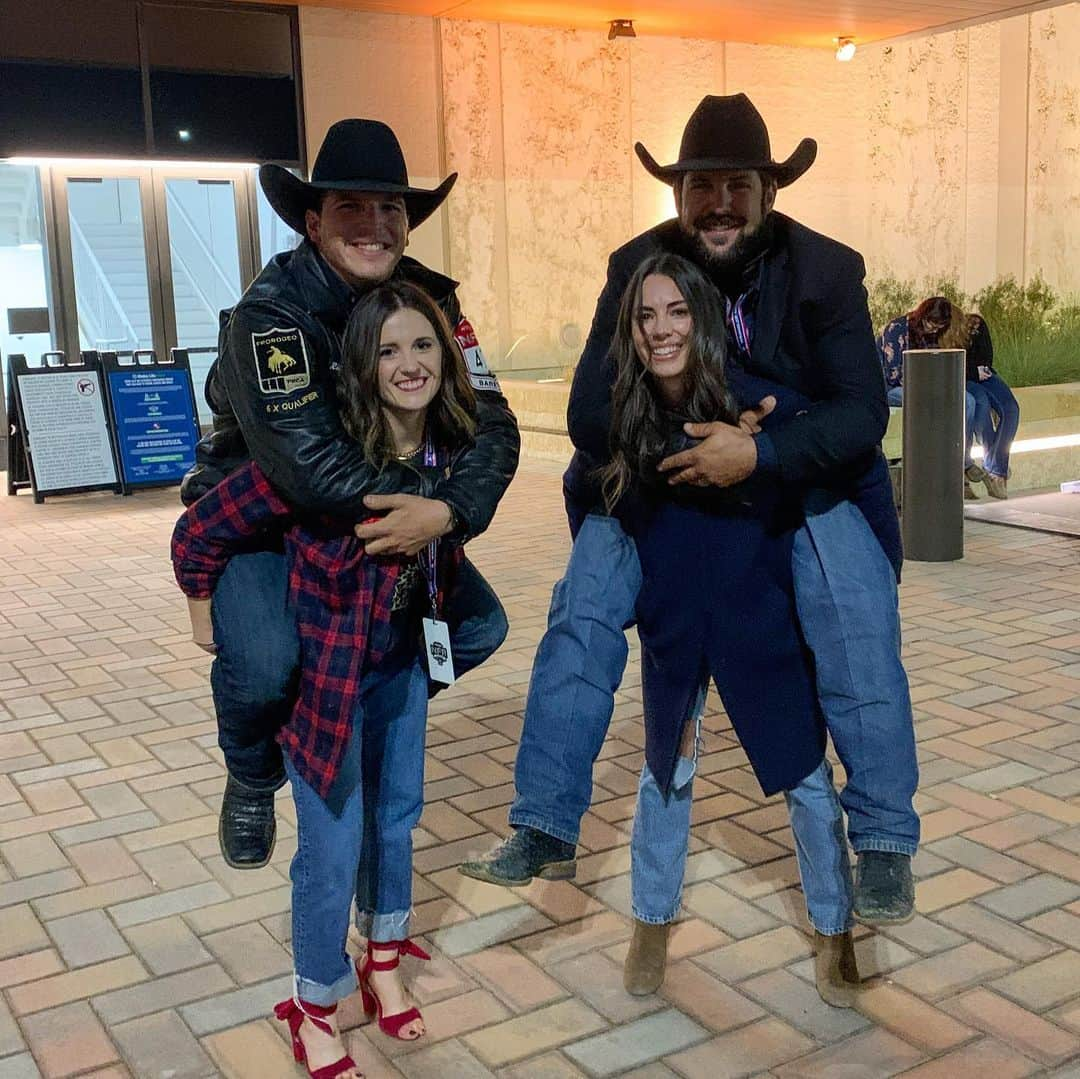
(246, 827)
(884, 889)
(526, 854)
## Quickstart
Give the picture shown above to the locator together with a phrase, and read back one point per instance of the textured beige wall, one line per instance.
(1053, 195)
(951, 155)
(385, 67)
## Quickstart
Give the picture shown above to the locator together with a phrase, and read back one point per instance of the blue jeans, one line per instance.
(994, 401)
(365, 853)
(578, 666)
(845, 594)
(256, 669)
(581, 658)
(661, 837)
(255, 674)
(896, 399)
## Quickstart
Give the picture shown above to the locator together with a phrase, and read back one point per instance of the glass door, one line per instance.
(149, 256)
(108, 259)
(206, 254)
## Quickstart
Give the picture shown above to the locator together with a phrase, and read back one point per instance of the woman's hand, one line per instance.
(750, 420)
(409, 525)
(202, 627)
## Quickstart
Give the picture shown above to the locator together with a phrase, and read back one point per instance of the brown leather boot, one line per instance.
(643, 971)
(835, 969)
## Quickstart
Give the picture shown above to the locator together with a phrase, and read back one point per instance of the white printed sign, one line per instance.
(69, 438)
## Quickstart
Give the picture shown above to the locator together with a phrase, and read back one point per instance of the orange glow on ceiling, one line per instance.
(814, 23)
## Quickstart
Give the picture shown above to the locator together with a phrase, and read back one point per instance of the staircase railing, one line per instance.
(178, 213)
(99, 308)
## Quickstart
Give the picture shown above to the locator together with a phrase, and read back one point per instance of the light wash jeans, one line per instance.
(845, 594)
(852, 629)
(661, 837)
(367, 851)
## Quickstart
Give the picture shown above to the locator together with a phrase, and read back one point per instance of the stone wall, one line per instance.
(952, 154)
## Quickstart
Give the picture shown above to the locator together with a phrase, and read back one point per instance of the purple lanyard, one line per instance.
(740, 327)
(430, 564)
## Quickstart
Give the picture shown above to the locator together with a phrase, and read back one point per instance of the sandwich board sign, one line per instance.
(62, 419)
(152, 407)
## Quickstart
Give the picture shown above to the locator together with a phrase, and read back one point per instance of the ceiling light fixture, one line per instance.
(845, 48)
(621, 28)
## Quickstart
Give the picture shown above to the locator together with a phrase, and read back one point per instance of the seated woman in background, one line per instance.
(922, 328)
(996, 412)
(991, 413)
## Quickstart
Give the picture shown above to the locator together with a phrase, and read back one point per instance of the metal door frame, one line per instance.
(243, 208)
(54, 177)
(59, 174)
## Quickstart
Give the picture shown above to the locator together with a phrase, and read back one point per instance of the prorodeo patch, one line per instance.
(281, 361)
(479, 373)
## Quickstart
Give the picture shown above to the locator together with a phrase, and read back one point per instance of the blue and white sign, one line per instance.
(155, 423)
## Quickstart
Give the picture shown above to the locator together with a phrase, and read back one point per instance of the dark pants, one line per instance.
(255, 674)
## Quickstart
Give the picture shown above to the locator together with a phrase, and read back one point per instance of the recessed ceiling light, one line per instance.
(845, 48)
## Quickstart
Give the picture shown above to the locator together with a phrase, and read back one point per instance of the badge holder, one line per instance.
(436, 632)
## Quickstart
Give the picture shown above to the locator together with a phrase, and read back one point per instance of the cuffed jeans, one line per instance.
(365, 853)
(578, 666)
(580, 662)
(255, 673)
(845, 594)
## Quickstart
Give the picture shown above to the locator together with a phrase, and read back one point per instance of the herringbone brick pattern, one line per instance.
(128, 948)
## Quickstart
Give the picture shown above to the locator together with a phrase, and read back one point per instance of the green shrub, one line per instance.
(1036, 333)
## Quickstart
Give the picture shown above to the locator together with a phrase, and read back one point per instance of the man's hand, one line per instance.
(202, 627)
(725, 456)
(750, 420)
(410, 523)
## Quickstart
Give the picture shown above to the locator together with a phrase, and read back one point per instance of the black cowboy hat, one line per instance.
(356, 155)
(729, 133)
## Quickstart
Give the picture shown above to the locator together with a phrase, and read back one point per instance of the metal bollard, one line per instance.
(932, 518)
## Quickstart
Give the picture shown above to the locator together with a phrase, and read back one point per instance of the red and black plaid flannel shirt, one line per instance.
(337, 593)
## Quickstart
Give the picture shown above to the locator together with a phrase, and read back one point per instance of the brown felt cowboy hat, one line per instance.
(729, 133)
(356, 155)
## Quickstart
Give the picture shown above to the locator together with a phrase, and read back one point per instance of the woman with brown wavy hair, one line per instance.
(354, 746)
(717, 600)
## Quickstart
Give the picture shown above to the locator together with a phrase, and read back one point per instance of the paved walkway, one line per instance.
(127, 947)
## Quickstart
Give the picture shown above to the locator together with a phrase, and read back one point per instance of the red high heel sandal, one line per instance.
(294, 1011)
(388, 1024)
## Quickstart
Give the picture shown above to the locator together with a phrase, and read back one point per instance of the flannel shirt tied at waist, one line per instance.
(337, 593)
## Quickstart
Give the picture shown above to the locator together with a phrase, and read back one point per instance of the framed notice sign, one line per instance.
(64, 428)
(153, 414)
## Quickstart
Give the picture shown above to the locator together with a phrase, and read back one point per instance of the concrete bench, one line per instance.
(1046, 451)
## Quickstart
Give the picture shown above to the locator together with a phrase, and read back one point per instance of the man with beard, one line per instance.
(797, 315)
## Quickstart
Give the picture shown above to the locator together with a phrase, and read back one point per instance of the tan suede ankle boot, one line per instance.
(835, 969)
(643, 971)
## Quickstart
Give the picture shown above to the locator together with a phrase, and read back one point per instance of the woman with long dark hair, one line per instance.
(996, 415)
(354, 747)
(718, 599)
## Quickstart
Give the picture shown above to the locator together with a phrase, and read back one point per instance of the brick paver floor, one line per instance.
(127, 947)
